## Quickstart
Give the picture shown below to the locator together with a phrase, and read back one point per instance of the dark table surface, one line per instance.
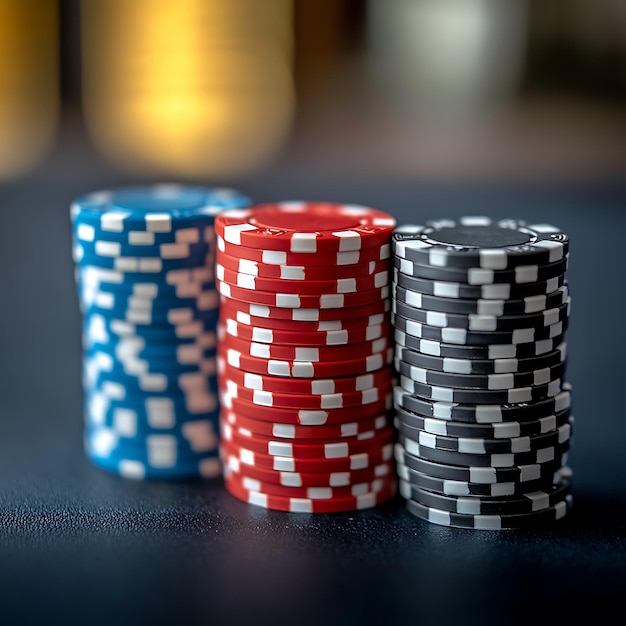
(82, 546)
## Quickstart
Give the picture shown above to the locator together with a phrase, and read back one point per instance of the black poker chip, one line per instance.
(464, 337)
(478, 322)
(479, 241)
(499, 430)
(481, 381)
(469, 366)
(524, 306)
(483, 413)
(520, 275)
(496, 291)
(481, 352)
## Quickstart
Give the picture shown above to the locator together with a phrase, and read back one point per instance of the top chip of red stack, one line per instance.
(306, 227)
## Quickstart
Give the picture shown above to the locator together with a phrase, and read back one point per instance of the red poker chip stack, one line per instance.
(305, 356)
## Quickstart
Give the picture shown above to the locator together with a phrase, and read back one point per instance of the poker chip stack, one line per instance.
(480, 310)
(145, 274)
(305, 356)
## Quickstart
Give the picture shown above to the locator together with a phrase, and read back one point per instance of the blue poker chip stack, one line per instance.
(480, 310)
(145, 274)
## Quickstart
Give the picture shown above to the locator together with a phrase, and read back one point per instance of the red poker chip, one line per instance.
(313, 354)
(382, 379)
(308, 449)
(240, 312)
(251, 426)
(303, 401)
(297, 301)
(312, 493)
(235, 263)
(315, 479)
(247, 457)
(305, 369)
(299, 287)
(306, 227)
(314, 314)
(342, 337)
(307, 505)
(352, 258)
(306, 417)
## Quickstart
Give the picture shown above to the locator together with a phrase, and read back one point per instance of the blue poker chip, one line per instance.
(186, 332)
(100, 249)
(133, 419)
(131, 365)
(150, 461)
(159, 319)
(157, 208)
(155, 384)
(141, 265)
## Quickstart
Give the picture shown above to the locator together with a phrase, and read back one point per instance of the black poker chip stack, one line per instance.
(480, 311)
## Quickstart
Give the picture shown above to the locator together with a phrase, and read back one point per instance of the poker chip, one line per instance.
(482, 410)
(480, 241)
(482, 445)
(378, 306)
(307, 505)
(283, 258)
(463, 337)
(484, 323)
(304, 356)
(308, 417)
(241, 314)
(532, 304)
(380, 379)
(463, 489)
(145, 279)
(308, 449)
(308, 353)
(305, 272)
(500, 430)
(356, 430)
(300, 287)
(495, 460)
(378, 455)
(482, 352)
(306, 369)
(526, 503)
(484, 413)
(516, 395)
(295, 227)
(471, 366)
(304, 401)
(312, 479)
(465, 291)
(480, 381)
(520, 275)
(481, 474)
(285, 300)
(492, 522)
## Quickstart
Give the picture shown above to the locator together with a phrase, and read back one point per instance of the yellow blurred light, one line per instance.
(29, 95)
(188, 87)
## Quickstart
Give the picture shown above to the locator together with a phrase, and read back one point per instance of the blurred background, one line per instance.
(214, 91)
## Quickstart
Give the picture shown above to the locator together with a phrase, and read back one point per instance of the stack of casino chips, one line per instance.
(305, 356)
(480, 311)
(145, 273)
